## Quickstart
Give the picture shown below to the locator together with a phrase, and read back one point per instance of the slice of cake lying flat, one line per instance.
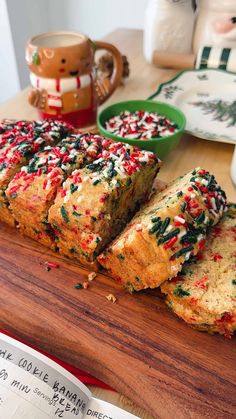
(33, 189)
(166, 232)
(18, 144)
(95, 203)
(204, 293)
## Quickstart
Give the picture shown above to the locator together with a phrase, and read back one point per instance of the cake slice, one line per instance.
(166, 232)
(33, 189)
(95, 203)
(204, 293)
(17, 145)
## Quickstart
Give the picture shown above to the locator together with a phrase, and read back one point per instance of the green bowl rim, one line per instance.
(153, 139)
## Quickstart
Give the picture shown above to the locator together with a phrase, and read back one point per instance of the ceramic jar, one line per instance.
(168, 27)
(63, 76)
(216, 24)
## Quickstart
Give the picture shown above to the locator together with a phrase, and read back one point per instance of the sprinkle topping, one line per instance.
(140, 125)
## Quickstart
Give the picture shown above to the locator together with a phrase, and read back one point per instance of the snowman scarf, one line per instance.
(56, 87)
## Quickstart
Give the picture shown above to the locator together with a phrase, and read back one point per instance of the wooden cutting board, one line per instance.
(136, 345)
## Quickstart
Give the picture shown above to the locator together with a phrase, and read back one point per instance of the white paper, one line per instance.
(34, 387)
(103, 410)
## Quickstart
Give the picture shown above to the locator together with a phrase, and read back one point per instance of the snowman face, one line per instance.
(225, 28)
(60, 62)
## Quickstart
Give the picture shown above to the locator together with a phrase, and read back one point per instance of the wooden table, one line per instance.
(216, 157)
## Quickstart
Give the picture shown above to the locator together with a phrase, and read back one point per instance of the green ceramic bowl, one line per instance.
(160, 146)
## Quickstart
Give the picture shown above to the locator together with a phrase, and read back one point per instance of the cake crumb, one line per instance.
(91, 276)
(111, 297)
(85, 285)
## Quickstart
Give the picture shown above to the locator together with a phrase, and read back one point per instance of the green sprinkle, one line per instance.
(180, 292)
(183, 206)
(35, 230)
(164, 225)
(73, 188)
(128, 181)
(64, 214)
(96, 182)
(187, 238)
(182, 252)
(180, 193)
(200, 218)
(3, 166)
(155, 219)
(93, 218)
(195, 187)
(155, 228)
(78, 286)
(211, 222)
(234, 281)
(120, 257)
(218, 204)
(168, 236)
(76, 214)
(137, 279)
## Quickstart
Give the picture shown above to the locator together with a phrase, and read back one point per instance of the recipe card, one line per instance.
(34, 387)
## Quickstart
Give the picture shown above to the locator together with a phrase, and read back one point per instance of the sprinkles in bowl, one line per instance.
(140, 125)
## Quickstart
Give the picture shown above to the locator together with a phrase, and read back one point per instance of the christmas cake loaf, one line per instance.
(166, 232)
(204, 294)
(18, 144)
(95, 203)
(33, 189)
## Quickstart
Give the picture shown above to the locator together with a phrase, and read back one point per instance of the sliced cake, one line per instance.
(33, 189)
(95, 203)
(166, 232)
(204, 293)
(17, 146)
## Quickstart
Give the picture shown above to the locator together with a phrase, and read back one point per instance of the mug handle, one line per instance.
(106, 87)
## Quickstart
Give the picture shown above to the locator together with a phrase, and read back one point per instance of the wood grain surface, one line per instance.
(135, 345)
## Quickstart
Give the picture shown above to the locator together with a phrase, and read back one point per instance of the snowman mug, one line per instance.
(63, 77)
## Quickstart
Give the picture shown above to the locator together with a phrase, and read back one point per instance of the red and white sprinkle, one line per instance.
(140, 125)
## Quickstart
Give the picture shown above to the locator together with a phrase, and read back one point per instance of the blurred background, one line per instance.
(21, 19)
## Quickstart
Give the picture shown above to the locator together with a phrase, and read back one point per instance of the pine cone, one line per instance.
(105, 65)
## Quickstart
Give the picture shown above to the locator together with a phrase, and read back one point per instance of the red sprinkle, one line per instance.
(52, 265)
(201, 283)
(177, 278)
(216, 257)
(193, 301)
(202, 244)
(170, 242)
